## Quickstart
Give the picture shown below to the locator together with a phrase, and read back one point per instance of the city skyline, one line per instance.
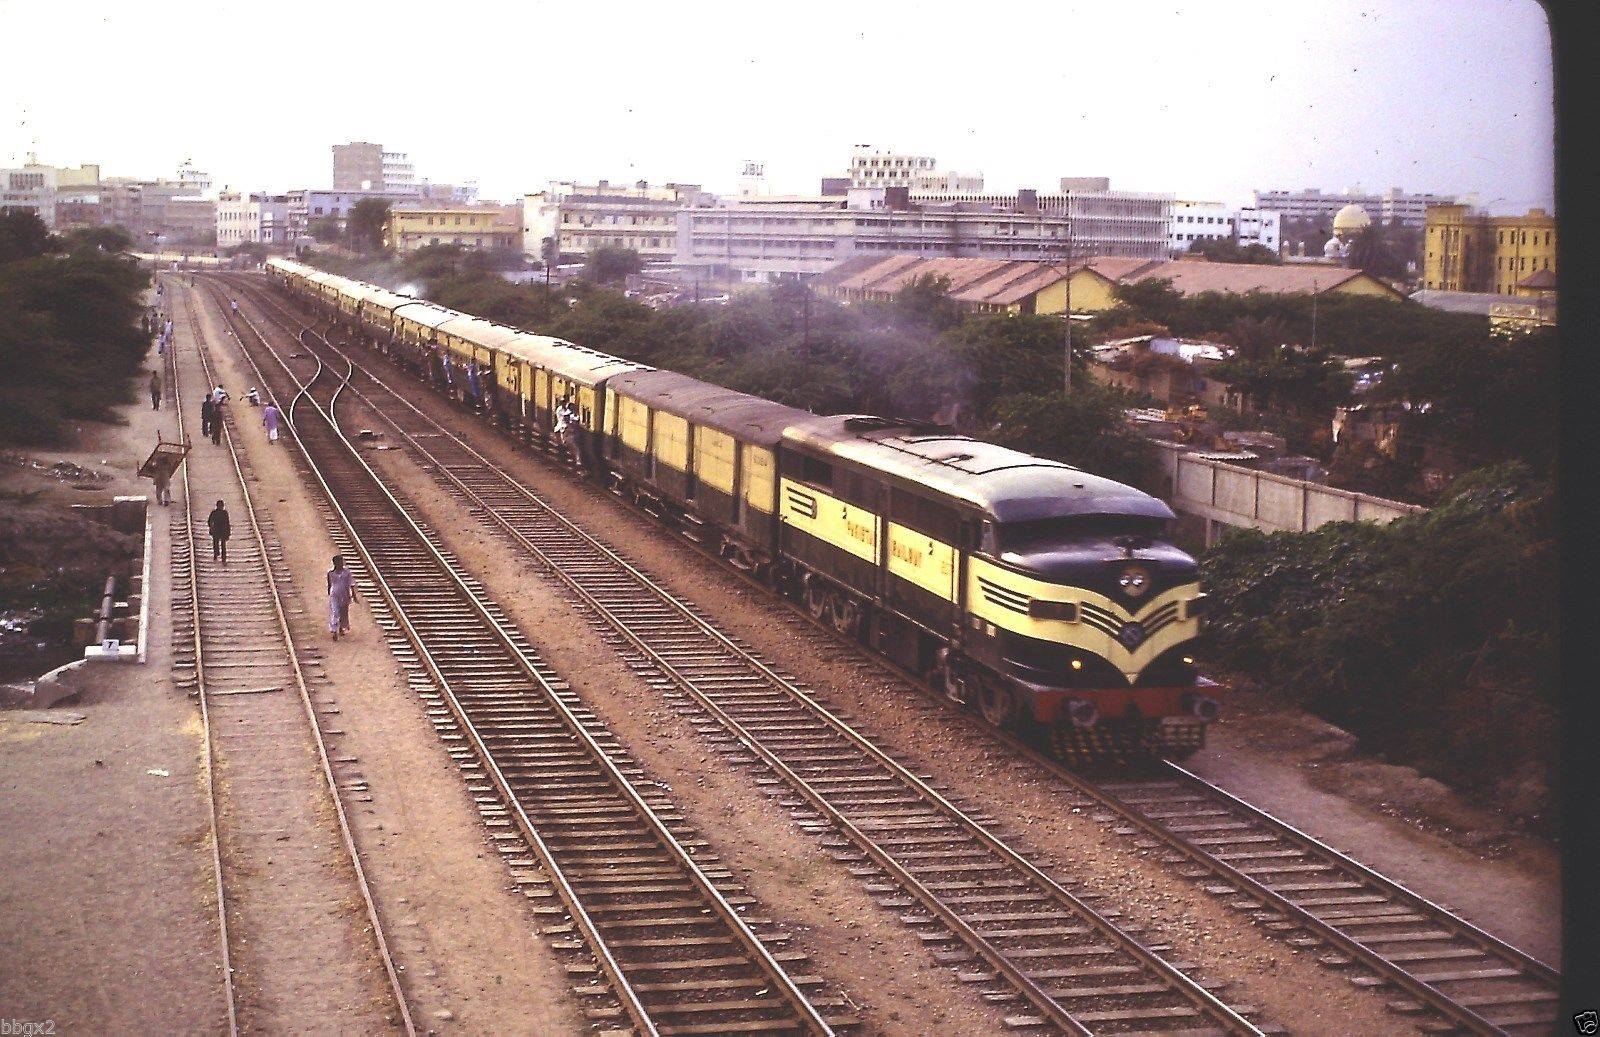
(1419, 95)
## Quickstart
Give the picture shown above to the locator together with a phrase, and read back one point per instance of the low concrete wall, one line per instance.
(132, 619)
(1225, 494)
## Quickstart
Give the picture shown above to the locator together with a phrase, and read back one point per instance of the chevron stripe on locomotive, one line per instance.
(1045, 598)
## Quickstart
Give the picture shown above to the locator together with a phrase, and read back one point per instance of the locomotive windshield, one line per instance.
(1022, 536)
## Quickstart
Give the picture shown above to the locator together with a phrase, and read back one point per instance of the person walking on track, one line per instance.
(216, 423)
(163, 481)
(208, 414)
(155, 390)
(270, 418)
(220, 526)
(341, 589)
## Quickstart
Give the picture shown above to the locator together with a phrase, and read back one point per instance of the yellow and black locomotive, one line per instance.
(1046, 598)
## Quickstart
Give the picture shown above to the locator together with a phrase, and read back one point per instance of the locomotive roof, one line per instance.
(745, 417)
(1006, 484)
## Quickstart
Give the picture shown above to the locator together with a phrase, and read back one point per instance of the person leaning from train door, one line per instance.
(220, 527)
(341, 590)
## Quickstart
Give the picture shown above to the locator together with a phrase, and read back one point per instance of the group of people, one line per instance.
(211, 414)
(340, 580)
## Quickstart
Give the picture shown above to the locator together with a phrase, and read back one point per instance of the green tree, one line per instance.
(325, 229)
(1227, 250)
(364, 225)
(1086, 429)
(1373, 252)
(252, 251)
(23, 235)
(608, 265)
(100, 239)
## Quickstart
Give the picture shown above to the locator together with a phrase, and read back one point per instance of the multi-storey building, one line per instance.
(1213, 221)
(398, 173)
(1468, 251)
(1393, 206)
(252, 216)
(919, 173)
(358, 166)
(411, 227)
(775, 238)
(307, 205)
(582, 217)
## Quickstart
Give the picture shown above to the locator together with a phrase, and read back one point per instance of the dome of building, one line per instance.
(1350, 220)
(1335, 249)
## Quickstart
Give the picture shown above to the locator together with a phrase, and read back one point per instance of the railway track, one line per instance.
(1022, 938)
(665, 919)
(234, 648)
(1427, 958)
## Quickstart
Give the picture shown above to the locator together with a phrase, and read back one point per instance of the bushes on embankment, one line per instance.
(1432, 639)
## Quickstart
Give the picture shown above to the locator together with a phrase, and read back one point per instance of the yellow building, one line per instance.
(414, 227)
(1030, 287)
(1465, 251)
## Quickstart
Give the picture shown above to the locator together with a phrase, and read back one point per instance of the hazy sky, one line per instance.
(1204, 100)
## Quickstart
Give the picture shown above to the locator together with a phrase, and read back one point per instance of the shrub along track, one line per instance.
(1018, 935)
(1297, 887)
(662, 917)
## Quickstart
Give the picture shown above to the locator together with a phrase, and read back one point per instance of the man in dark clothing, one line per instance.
(155, 390)
(219, 525)
(216, 422)
(208, 410)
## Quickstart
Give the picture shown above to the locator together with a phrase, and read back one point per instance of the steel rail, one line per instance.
(995, 956)
(807, 1014)
(292, 654)
(207, 758)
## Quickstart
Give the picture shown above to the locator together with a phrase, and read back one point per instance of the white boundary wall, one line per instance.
(1235, 496)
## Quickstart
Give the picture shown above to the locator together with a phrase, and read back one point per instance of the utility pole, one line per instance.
(1071, 243)
(1314, 294)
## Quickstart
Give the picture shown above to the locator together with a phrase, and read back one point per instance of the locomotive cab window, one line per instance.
(1019, 536)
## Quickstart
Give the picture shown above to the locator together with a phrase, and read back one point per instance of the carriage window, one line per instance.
(856, 488)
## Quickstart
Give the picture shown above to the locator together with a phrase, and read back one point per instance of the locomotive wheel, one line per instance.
(998, 703)
(817, 600)
(846, 615)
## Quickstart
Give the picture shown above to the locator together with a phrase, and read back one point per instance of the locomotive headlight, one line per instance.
(1077, 664)
(1134, 581)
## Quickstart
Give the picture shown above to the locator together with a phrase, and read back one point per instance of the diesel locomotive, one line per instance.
(1046, 598)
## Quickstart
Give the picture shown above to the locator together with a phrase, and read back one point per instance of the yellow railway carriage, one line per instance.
(707, 454)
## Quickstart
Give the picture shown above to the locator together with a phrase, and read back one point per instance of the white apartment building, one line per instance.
(252, 216)
(919, 173)
(582, 217)
(1313, 206)
(778, 238)
(1213, 221)
(399, 175)
(310, 204)
(1262, 227)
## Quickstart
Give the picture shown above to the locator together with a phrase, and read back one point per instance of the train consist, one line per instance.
(1044, 597)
